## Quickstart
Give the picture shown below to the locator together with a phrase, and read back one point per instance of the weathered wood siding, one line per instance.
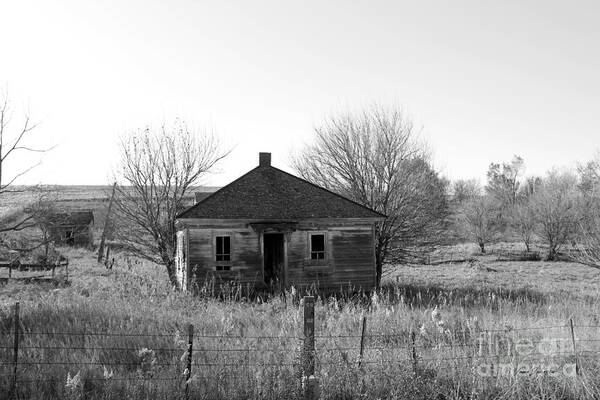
(349, 262)
(246, 256)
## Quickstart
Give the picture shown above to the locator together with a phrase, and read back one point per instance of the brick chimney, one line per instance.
(264, 159)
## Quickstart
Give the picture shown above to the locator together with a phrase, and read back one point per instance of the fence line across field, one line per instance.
(158, 335)
(262, 337)
(44, 267)
(192, 351)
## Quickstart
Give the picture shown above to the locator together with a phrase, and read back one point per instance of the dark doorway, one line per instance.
(274, 259)
(70, 237)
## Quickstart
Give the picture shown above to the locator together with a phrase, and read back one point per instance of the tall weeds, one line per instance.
(122, 334)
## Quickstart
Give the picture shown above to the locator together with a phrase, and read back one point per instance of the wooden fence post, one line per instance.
(362, 340)
(309, 336)
(414, 351)
(574, 347)
(106, 222)
(189, 357)
(16, 350)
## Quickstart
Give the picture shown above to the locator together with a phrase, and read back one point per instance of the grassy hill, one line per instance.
(93, 198)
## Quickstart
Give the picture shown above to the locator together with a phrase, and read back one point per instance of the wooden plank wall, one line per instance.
(246, 256)
(349, 263)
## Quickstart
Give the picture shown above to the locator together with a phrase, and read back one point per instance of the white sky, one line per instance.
(484, 79)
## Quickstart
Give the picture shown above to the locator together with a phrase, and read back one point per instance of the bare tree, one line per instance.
(157, 168)
(13, 138)
(589, 177)
(465, 189)
(524, 221)
(503, 181)
(530, 187)
(556, 206)
(521, 216)
(588, 238)
(45, 214)
(375, 159)
(35, 220)
(480, 221)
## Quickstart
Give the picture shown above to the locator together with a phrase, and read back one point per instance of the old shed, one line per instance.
(271, 229)
(71, 228)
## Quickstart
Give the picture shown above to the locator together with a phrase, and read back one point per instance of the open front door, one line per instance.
(274, 260)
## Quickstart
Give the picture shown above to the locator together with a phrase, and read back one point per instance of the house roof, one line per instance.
(272, 194)
(72, 218)
(199, 196)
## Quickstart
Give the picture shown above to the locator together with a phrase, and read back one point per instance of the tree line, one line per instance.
(557, 210)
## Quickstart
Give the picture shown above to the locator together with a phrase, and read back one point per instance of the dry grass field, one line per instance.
(431, 332)
(542, 278)
(122, 333)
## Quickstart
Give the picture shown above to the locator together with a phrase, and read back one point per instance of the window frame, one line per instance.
(221, 267)
(326, 249)
(216, 255)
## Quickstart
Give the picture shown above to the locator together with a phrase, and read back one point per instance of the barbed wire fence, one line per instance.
(182, 362)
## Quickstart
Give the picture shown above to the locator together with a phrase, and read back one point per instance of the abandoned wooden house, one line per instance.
(271, 229)
(72, 228)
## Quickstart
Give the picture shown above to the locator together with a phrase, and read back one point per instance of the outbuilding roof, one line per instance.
(269, 193)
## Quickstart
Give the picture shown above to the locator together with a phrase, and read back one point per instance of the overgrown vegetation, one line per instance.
(558, 209)
(445, 306)
(157, 169)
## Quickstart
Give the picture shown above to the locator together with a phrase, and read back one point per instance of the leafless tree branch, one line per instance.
(7, 152)
(157, 169)
(375, 159)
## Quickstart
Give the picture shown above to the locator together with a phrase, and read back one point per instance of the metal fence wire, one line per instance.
(30, 357)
